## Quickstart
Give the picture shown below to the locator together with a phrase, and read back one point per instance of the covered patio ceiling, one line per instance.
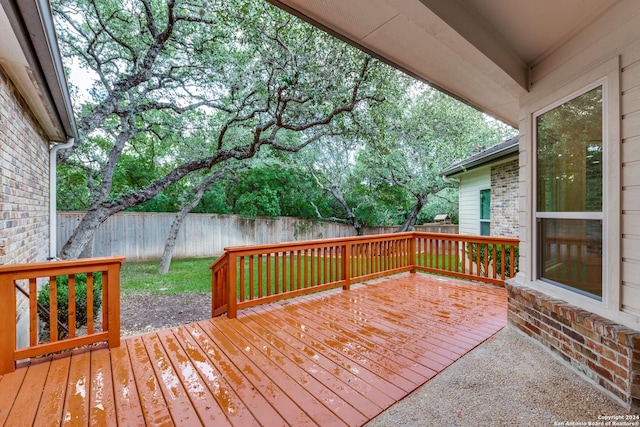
(480, 51)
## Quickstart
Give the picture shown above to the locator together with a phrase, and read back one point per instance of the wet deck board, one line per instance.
(331, 359)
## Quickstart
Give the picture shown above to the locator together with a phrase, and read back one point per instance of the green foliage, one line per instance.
(263, 201)
(62, 298)
(214, 200)
(446, 203)
(241, 79)
(486, 251)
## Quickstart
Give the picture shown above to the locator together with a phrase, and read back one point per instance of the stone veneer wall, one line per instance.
(504, 199)
(24, 189)
(605, 352)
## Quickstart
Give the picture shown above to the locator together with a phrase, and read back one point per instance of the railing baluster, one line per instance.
(89, 303)
(292, 263)
(305, 281)
(327, 253)
(251, 279)
(431, 253)
(72, 306)
(268, 256)
(346, 263)
(33, 312)
(260, 281)
(53, 309)
(242, 296)
(279, 282)
(486, 259)
(512, 255)
(495, 260)
(105, 301)
(314, 267)
(332, 260)
(232, 304)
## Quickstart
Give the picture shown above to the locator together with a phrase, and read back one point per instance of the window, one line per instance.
(569, 193)
(485, 212)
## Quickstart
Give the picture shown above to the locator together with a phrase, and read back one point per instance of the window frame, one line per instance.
(480, 219)
(567, 215)
(607, 75)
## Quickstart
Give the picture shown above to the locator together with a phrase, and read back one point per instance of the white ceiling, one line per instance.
(477, 50)
(533, 29)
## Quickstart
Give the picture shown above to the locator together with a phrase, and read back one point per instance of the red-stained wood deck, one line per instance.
(332, 358)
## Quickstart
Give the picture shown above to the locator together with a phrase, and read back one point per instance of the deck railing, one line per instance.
(249, 275)
(26, 280)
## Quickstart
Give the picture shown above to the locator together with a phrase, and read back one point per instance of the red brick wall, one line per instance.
(605, 352)
(24, 181)
(504, 199)
(24, 191)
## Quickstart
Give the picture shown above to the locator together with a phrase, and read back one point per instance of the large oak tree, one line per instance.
(180, 86)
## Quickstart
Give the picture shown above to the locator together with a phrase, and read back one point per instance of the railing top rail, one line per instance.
(318, 242)
(469, 237)
(63, 264)
(221, 260)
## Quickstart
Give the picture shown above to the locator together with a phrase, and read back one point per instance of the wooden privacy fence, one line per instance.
(141, 236)
(99, 276)
(250, 275)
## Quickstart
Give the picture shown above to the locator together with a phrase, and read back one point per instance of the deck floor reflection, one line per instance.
(330, 359)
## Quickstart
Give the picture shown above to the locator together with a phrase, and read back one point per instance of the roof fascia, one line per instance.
(32, 24)
(493, 157)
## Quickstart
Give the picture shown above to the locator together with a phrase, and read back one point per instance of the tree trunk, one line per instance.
(410, 221)
(170, 244)
(85, 231)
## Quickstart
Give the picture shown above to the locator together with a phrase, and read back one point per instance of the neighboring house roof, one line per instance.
(30, 56)
(491, 154)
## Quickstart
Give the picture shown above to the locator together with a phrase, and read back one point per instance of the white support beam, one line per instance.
(473, 29)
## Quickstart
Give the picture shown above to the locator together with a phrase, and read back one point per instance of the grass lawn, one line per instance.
(194, 275)
(185, 275)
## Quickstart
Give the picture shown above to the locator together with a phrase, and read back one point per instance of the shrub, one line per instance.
(62, 283)
(472, 250)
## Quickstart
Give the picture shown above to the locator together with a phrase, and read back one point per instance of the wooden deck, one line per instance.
(331, 358)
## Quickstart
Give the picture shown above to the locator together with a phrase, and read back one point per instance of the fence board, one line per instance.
(141, 236)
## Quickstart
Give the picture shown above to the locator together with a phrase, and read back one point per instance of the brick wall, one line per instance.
(24, 189)
(504, 199)
(24, 181)
(605, 352)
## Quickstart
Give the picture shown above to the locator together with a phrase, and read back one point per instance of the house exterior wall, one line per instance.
(502, 178)
(607, 51)
(24, 189)
(504, 199)
(471, 183)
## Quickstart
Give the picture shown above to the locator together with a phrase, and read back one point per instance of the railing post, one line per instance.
(512, 264)
(232, 305)
(412, 252)
(7, 325)
(346, 266)
(113, 303)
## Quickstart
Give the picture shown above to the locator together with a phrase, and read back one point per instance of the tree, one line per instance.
(170, 244)
(420, 134)
(331, 166)
(191, 85)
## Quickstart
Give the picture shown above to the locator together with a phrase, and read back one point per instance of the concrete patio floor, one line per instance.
(506, 381)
